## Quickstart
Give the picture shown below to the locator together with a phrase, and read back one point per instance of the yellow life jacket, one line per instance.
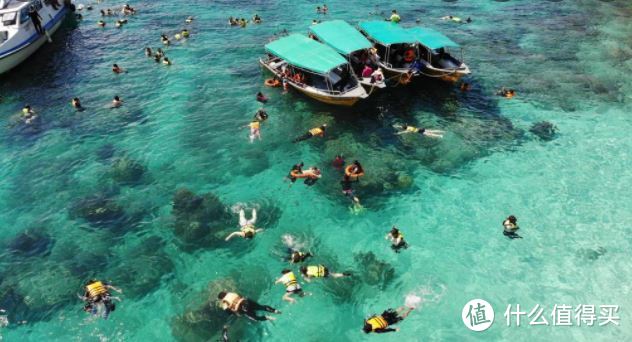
(96, 289)
(248, 229)
(377, 322)
(289, 279)
(185, 34)
(316, 131)
(412, 129)
(255, 125)
(232, 301)
(316, 271)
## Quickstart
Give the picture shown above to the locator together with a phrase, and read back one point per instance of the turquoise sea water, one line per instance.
(569, 61)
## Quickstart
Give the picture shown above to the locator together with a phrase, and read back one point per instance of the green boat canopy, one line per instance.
(341, 36)
(387, 33)
(305, 53)
(431, 38)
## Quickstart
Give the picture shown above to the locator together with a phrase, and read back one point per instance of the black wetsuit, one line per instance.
(36, 19)
(304, 137)
(249, 308)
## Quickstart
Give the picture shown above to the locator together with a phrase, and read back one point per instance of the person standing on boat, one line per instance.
(36, 19)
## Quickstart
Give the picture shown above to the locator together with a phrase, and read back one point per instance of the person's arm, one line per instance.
(233, 234)
(385, 330)
(258, 230)
(114, 288)
(306, 278)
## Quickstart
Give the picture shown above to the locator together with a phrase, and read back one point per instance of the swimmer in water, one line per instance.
(261, 98)
(313, 175)
(397, 239)
(288, 279)
(380, 323)
(188, 20)
(507, 93)
(101, 23)
(76, 104)
(248, 229)
(148, 52)
(28, 114)
(314, 132)
(338, 162)
(234, 303)
(261, 115)
(116, 102)
(299, 170)
(185, 33)
(117, 69)
(510, 227)
(166, 61)
(431, 133)
(164, 39)
(296, 256)
(256, 19)
(320, 271)
(347, 189)
(255, 130)
(160, 53)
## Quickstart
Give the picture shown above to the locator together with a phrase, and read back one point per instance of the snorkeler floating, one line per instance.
(116, 102)
(310, 175)
(28, 115)
(510, 227)
(98, 299)
(354, 171)
(506, 93)
(314, 132)
(288, 279)
(431, 133)
(380, 323)
(248, 229)
(75, 103)
(320, 271)
(296, 256)
(397, 239)
(233, 303)
(261, 98)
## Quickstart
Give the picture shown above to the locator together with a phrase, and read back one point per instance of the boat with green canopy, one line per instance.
(434, 54)
(351, 44)
(314, 69)
(396, 47)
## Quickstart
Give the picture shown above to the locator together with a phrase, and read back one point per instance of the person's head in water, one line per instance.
(303, 269)
(285, 271)
(394, 11)
(221, 295)
(512, 219)
(76, 103)
(323, 127)
(394, 232)
(298, 256)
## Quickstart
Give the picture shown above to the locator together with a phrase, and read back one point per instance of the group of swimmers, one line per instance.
(256, 19)
(125, 10)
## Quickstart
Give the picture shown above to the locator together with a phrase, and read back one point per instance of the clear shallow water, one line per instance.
(181, 124)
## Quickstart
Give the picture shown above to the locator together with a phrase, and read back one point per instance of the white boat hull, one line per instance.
(13, 59)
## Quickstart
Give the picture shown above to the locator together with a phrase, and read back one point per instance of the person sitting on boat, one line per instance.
(256, 19)
(367, 71)
(261, 115)
(394, 17)
(76, 104)
(320, 271)
(507, 93)
(397, 239)
(116, 102)
(416, 66)
(36, 19)
(432, 133)
(354, 171)
(98, 299)
(298, 78)
(347, 189)
(374, 58)
(233, 303)
(248, 229)
(288, 279)
(53, 3)
(510, 227)
(117, 69)
(261, 98)
(380, 323)
(314, 132)
(377, 76)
